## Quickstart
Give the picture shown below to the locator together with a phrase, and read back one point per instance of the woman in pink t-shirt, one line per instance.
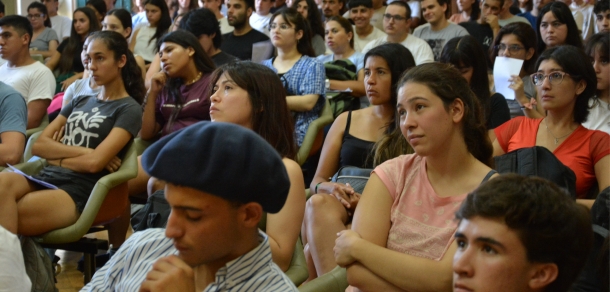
(402, 231)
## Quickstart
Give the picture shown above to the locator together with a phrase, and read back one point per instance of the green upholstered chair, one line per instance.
(314, 137)
(333, 281)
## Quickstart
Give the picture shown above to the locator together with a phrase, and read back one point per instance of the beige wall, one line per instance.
(20, 6)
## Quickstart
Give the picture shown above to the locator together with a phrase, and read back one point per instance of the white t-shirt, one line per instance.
(12, 267)
(377, 18)
(419, 48)
(361, 42)
(224, 25)
(260, 22)
(62, 26)
(34, 81)
(585, 24)
(599, 116)
(144, 47)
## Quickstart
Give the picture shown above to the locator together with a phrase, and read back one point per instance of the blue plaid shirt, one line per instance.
(305, 77)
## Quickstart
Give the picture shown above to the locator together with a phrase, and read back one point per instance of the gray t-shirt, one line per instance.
(41, 43)
(438, 39)
(13, 110)
(78, 88)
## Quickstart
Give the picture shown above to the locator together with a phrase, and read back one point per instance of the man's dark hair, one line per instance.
(99, 5)
(601, 6)
(550, 225)
(403, 4)
(1, 7)
(355, 3)
(250, 4)
(19, 23)
(202, 21)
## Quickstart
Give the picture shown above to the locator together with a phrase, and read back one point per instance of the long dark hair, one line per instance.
(130, 73)
(202, 61)
(123, 16)
(599, 43)
(475, 10)
(270, 115)
(464, 52)
(526, 36)
(164, 23)
(447, 83)
(294, 18)
(347, 26)
(575, 62)
(313, 16)
(563, 14)
(74, 41)
(399, 60)
(43, 9)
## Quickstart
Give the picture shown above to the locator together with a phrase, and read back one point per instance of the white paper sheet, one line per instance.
(503, 68)
(261, 51)
(42, 183)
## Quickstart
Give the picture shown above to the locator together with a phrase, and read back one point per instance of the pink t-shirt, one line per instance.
(422, 222)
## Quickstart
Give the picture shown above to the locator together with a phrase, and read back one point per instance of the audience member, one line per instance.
(67, 57)
(440, 29)
(469, 10)
(279, 5)
(586, 24)
(109, 120)
(310, 11)
(598, 48)
(566, 81)
(145, 38)
(61, 24)
(556, 27)
(378, 11)
(140, 14)
(239, 42)
(602, 16)
(525, 5)
(360, 12)
(361, 138)
(332, 8)
(110, 4)
(215, 6)
(205, 27)
(12, 265)
(184, 6)
(259, 19)
(32, 79)
(520, 234)
(211, 241)
(340, 41)
(532, 15)
(396, 21)
(485, 29)
(84, 86)
(506, 16)
(518, 41)
(416, 195)
(119, 20)
(13, 123)
(99, 7)
(463, 54)
(44, 39)
(302, 75)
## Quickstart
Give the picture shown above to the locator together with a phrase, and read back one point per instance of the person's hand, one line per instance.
(169, 274)
(516, 84)
(343, 247)
(66, 83)
(114, 164)
(157, 82)
(59, 135)
(353, 202)
(341, 192)
(492, 20)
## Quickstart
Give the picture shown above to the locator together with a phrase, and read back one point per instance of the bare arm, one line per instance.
(357, 86)
(54, 61)
(132, 44)
(142, 65)
(372, 223)
(284, 227)
(150, 127)
(46, 54)
(496, 144)
(329, 158)
(36, 111)
(11, 148)
(154, 68)
(602, 172)
(302, 103)
(47, 147)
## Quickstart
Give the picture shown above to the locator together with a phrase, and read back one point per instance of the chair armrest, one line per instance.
(333, 281)
(297, 271)
(27, 154)
(43, 124)
(317, 125)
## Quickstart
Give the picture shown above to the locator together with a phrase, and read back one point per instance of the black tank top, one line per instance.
(354, 151)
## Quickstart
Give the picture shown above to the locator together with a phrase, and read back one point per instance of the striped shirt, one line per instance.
(127, 269)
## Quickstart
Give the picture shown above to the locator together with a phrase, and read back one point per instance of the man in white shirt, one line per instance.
(439, 30)
(396, 21)
(32, 79)
(360, 12)
(215, 6)
(61, 24)
(259, 20)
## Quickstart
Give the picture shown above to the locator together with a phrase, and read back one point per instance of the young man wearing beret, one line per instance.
(220, 179)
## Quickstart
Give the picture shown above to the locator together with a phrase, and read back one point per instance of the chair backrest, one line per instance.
(314, 137)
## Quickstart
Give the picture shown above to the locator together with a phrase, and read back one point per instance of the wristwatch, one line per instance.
(327, 84)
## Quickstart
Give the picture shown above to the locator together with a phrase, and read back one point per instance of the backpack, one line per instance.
(154, 214)
(354, 176)
(538, 161)
(341, 101)
(38, 266)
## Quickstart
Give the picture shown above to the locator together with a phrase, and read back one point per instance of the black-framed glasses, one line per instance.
(282, 26)
(35, 16)
(511, 48)
(554, 77)
(396, 18)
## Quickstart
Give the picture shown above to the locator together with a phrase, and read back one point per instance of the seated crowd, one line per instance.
(225, 96)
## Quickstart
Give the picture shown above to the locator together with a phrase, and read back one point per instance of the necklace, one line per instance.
(195, 80)
(556, 138)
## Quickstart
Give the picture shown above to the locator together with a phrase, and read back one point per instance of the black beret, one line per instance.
(225, 160)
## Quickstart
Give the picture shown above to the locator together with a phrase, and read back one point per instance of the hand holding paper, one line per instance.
(503, 69)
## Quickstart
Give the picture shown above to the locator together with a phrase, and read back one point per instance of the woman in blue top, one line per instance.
(302, 75)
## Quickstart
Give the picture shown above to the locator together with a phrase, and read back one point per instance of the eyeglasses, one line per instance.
(512, 48)
(283, 26)
(555, 78)
(35, 16)
(396, 18)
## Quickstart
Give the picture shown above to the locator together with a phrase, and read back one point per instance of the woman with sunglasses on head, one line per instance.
(303, 76)
(44, 41)
(598, 48)
(565, 81)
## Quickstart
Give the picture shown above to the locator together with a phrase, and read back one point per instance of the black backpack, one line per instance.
(154, 214)
(538, 161)
(341, 101)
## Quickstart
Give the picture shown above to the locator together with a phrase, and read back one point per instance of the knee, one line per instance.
(322, 207)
